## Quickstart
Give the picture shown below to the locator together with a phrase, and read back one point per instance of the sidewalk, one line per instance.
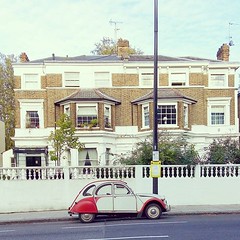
(51, 216)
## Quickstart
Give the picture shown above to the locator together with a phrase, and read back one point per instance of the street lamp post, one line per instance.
(155, 96)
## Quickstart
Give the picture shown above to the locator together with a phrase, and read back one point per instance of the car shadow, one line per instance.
(113, 218)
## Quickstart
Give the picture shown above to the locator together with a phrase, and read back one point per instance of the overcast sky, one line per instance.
(72, 27)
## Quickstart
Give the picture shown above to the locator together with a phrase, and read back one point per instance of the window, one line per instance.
(185, 115)
(31, 113)
(72, 79)
(32, 119)
(107, 116)
(104, 190)
(89, 190)
(217, 115)
(145, 116)
(67, 110)
(85, 114)
(167, 114)
(31, 81)
(219, 111)
(217, 80)
(147, 79)
(178, 79)
(87, 157)
(102, 79)
(120, 190)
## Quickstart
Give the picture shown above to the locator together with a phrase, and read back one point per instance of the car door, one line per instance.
(124, 199)
(104, 198)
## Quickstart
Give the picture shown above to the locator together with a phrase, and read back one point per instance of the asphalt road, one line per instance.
(188, 227)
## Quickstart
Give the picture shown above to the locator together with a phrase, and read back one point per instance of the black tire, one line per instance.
(153, 211)
(86, 217)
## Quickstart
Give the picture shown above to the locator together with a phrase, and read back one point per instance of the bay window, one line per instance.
(145, 116)
(107, 116)
(167, 114)
(86, 114)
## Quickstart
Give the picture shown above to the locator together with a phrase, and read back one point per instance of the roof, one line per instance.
(88, 94)
(115, 58)
(164, 93)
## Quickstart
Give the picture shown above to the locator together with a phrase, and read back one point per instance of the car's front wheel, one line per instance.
(153, 211)
(86, 217)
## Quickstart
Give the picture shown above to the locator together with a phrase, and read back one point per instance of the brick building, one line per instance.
(110, 100)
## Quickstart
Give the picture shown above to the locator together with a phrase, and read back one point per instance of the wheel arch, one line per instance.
(142, 212)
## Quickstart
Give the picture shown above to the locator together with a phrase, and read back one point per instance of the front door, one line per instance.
(34, 161)
(124, 199)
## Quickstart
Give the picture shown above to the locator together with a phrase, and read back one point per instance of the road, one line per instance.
(188, 227)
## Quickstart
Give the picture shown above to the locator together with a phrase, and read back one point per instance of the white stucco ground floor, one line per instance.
(32, 146)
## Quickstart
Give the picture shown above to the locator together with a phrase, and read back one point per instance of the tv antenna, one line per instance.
(229, 33)
(115, 28)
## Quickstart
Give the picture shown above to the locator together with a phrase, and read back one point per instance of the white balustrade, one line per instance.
(118, 172)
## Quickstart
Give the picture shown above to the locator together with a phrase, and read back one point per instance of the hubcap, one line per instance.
(153, 212)
(87, 217)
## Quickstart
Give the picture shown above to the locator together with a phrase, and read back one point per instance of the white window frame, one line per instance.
(219, 102)
(144, 115)
(166, 120)
(102, 79)
(66, 109)
(185, 115)
(107, 115)
(31, 105)
(213, 82)
(147, 79)
(71, 79)
(86, 105)
(31, 81)
(183, 76)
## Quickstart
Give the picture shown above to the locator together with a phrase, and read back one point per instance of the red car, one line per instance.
(115, 197)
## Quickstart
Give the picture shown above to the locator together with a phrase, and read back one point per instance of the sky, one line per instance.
(72, 27)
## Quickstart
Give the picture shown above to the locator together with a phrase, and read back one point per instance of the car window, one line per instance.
(104, 190)
(120, 189)
(89, 190)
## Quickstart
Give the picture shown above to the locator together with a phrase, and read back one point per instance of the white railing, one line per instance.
(119, 172)
(96, 172)
(172, 171)
(31, 173)
(227, 170)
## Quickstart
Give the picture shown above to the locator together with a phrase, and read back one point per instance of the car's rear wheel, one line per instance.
(86, 217)
(153, 211)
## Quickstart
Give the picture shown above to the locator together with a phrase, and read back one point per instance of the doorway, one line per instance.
(33, 161)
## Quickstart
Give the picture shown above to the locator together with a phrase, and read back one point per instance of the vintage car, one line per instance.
(115, 197)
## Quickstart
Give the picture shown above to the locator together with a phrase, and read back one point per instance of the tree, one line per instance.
(172, 151)
(222, 151)
(108, 46)
(7, 102)
(63, 138)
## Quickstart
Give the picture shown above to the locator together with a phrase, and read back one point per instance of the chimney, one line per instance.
(53, 56)
(223, 53)
(123, 48)
(23, 57)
